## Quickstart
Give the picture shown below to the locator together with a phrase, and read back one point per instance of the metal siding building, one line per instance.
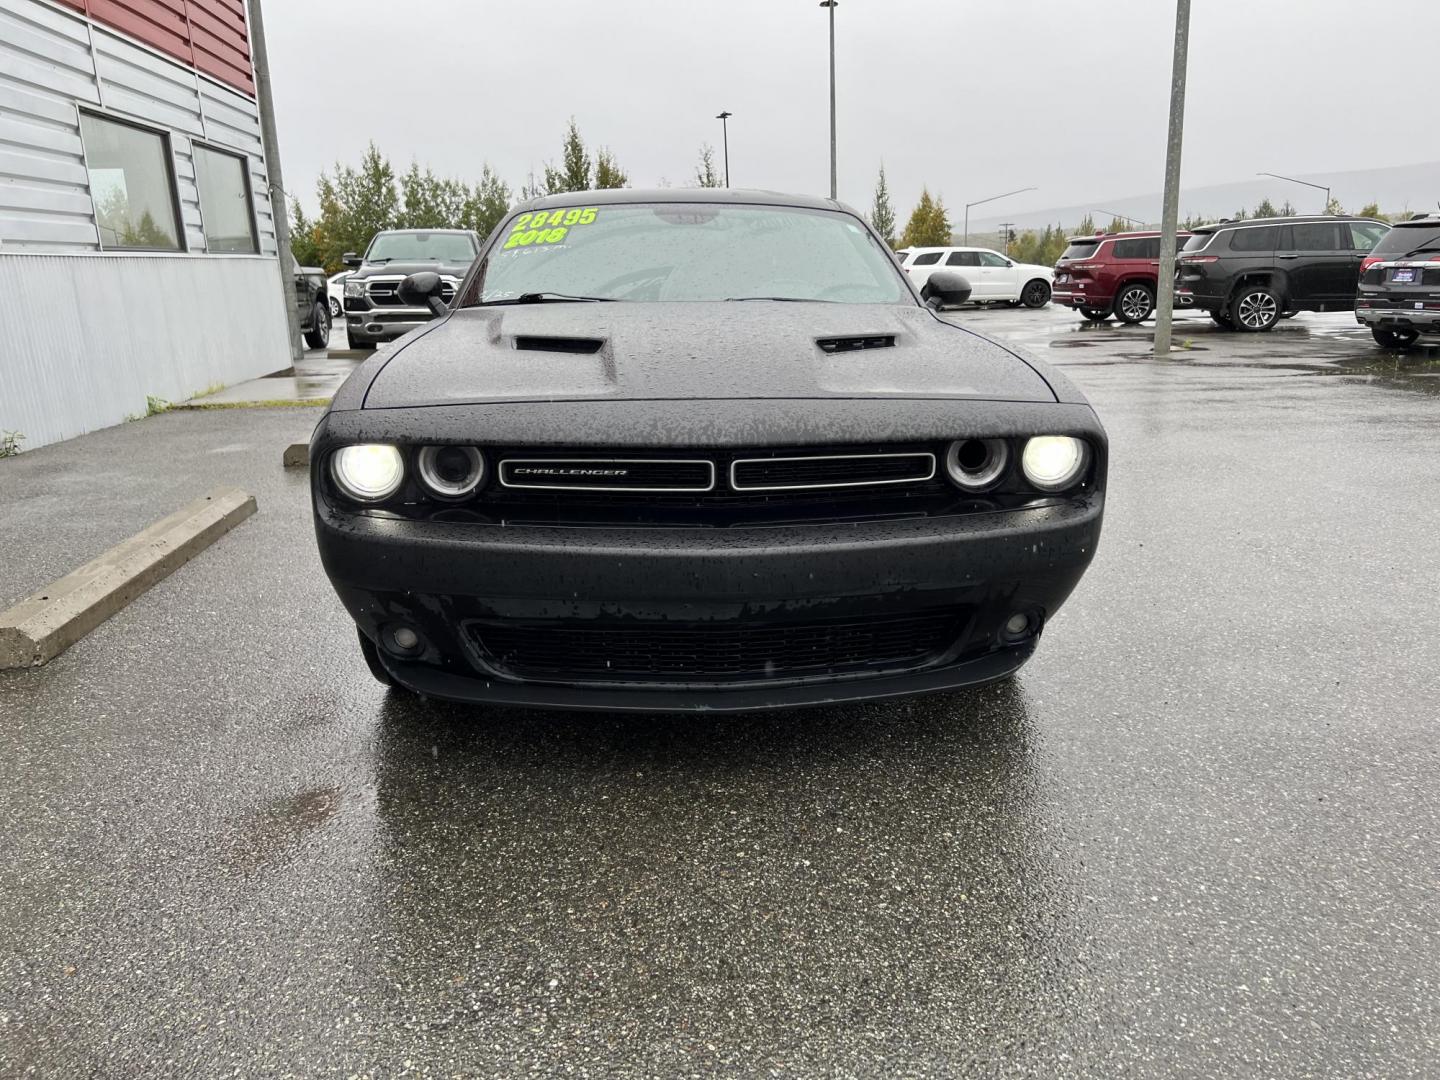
(91, 326)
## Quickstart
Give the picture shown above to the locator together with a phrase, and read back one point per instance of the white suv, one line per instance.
(993, 277)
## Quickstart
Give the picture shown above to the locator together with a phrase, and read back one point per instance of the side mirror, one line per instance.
(945, 288)
(423, 290)
(352, 260)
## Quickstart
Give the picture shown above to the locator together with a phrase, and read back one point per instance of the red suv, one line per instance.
(1111, 274)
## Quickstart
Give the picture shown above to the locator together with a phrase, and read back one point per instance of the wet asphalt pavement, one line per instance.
(1197, 836)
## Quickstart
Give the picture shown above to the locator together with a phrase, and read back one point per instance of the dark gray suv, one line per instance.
(1400, 284)
(1251, 274)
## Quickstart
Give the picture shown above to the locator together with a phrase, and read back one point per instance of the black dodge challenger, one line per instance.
(700, 450)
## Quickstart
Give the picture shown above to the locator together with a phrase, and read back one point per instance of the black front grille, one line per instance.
(632, 475)
(852, 483)
(861, 470)
(718, 652)
(387, 293)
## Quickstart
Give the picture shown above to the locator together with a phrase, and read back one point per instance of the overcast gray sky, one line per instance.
(970, 97)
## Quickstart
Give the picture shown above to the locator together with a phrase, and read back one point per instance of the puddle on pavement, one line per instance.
(268, 832)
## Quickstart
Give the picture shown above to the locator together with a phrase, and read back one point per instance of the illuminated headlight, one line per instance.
(368, 473)
(451, 472)
(1055, 462)
(354, 290)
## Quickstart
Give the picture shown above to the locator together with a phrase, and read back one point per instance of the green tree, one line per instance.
(1287, 209)
(485, 204)
(303, 243)
(428, 201)
(1117, 225)
(1372, 210)
(882, 213)
(1086, 226)
(355, 205)
(1333, 206)
(706, 175)
(608, 173)
(1265, 209)
(929, 226)
(575, 173)
(1240, 215)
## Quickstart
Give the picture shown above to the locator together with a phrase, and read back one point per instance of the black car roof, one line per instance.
(732, 196)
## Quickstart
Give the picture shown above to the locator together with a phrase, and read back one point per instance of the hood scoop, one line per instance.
(856, 344)
(582, 346)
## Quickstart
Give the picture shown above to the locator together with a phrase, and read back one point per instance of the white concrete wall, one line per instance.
(84, 338)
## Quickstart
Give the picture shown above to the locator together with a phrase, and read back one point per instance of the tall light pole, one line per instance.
(724, 119)
(279, 201)
(1170, 218)
(1307, 183)
(834, 173)
(992, 198)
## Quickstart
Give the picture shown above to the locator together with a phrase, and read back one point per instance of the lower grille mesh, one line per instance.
(727, 651)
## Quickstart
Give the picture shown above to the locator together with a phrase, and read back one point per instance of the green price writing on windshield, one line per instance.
(548, 226)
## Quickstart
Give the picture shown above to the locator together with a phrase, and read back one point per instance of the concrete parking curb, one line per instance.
(296, 456)
(45, 624)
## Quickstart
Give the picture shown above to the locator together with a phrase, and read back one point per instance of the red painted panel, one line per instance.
(209, 35)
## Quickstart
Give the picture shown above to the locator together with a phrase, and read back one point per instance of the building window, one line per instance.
(225, 202)
(132, 183)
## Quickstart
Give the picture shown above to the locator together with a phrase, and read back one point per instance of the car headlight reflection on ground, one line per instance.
(1054, 462)
(369, 472)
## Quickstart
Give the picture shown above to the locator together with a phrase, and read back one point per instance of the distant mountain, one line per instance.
(1402, 187)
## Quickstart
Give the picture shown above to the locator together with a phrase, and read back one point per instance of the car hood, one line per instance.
(715, 351)
(405, 269)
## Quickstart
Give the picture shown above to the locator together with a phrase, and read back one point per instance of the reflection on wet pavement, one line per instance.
(1198, 835)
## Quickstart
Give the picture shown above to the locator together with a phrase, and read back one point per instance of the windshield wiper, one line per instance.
(1419, 250)
(550, 298)
(778, 299)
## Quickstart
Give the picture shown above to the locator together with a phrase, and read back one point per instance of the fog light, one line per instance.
(402, 640)
(1019, 626)
(1054, 462)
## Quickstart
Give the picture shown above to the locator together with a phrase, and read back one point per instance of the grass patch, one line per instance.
(206, 406)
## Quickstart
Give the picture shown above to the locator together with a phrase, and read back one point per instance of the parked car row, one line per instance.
(1251, 274)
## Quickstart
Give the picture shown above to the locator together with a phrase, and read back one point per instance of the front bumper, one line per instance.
(449, 582)
(380, 325)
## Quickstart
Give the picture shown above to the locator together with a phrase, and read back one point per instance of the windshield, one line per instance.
(690, 252)
(422, 247)
(1080, 249)
(1404, 238)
